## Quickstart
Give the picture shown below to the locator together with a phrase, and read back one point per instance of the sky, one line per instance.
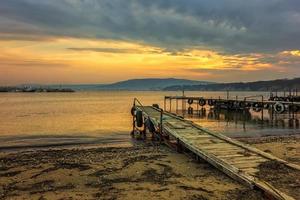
(104, 41)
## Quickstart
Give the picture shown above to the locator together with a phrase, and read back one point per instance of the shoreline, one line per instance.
(133, 172)
(13, 144)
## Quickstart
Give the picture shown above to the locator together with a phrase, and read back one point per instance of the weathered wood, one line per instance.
(231, 156)
(251, 170)
(242, 165)
(221, 146)
(249, 159)
(237, 160)
(220, 153)
(261, 153)
(196, 137)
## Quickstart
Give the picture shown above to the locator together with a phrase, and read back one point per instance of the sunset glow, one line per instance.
(34, 52)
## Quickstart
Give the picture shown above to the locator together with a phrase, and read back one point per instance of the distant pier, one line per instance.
(257, 104)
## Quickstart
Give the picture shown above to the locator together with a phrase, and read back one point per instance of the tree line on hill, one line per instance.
(274, 85)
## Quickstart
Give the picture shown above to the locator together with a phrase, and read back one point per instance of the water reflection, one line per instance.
(92, 116)
(243, 122)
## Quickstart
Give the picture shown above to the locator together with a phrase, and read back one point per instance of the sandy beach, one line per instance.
(149, 100)
(144, 171)
(287, 148)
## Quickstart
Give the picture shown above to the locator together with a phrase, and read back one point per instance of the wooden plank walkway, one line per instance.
(238, 160)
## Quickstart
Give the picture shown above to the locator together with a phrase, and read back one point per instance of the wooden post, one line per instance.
(182, 106)
(165, 103)
(133, 121)
(236, 103)
(272, 115)
(179, 147)
(161, 124)
(262, 110)
(293, 110)
(244, 110)
(170, 109)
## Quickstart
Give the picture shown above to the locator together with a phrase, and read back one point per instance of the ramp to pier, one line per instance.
(237, 160)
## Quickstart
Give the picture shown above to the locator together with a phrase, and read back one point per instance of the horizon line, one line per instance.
(213, 82)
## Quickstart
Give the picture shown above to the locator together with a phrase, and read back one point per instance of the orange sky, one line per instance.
(70, 60)
(104, 41)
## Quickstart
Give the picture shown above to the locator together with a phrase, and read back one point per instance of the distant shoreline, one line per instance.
(66, 90)
(170, 84)
(33, 90)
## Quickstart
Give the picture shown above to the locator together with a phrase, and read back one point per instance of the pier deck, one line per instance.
(238, 160)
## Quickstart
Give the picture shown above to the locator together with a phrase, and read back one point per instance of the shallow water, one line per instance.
(95, 117)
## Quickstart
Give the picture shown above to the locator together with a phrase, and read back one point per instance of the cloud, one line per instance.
(115, 50)
(291, 53)
(249, 67)
(229, 26)
(30, 64)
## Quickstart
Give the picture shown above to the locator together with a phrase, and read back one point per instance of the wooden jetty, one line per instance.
(258, 103)
(237, 160)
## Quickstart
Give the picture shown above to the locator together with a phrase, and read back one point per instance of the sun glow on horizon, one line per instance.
(73, 60)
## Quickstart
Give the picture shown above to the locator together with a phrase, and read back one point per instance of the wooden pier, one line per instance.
(237, 160)
(268, 110)
(258, 103)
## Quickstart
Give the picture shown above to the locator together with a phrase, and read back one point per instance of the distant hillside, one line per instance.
(280, 84)
(137, 84)
(150, 84)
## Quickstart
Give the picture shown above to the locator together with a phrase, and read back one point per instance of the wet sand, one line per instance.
(144, 171)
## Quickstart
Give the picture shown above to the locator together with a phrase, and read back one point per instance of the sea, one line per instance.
(103, 117)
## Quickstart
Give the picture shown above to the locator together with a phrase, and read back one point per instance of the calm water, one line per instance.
(96, 117)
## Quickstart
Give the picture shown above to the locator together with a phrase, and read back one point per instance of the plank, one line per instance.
(197, 137)
(203, 142)
(218, 153)
(251, 170)
(231, 156)
(245, 165)
(222, 146)
(246, 159)
(221, 150)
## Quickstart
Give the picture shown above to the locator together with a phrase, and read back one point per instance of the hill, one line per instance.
(280, 84)
(151, 84)
(137, 84)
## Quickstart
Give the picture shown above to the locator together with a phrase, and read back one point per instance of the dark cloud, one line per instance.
(227, 25)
